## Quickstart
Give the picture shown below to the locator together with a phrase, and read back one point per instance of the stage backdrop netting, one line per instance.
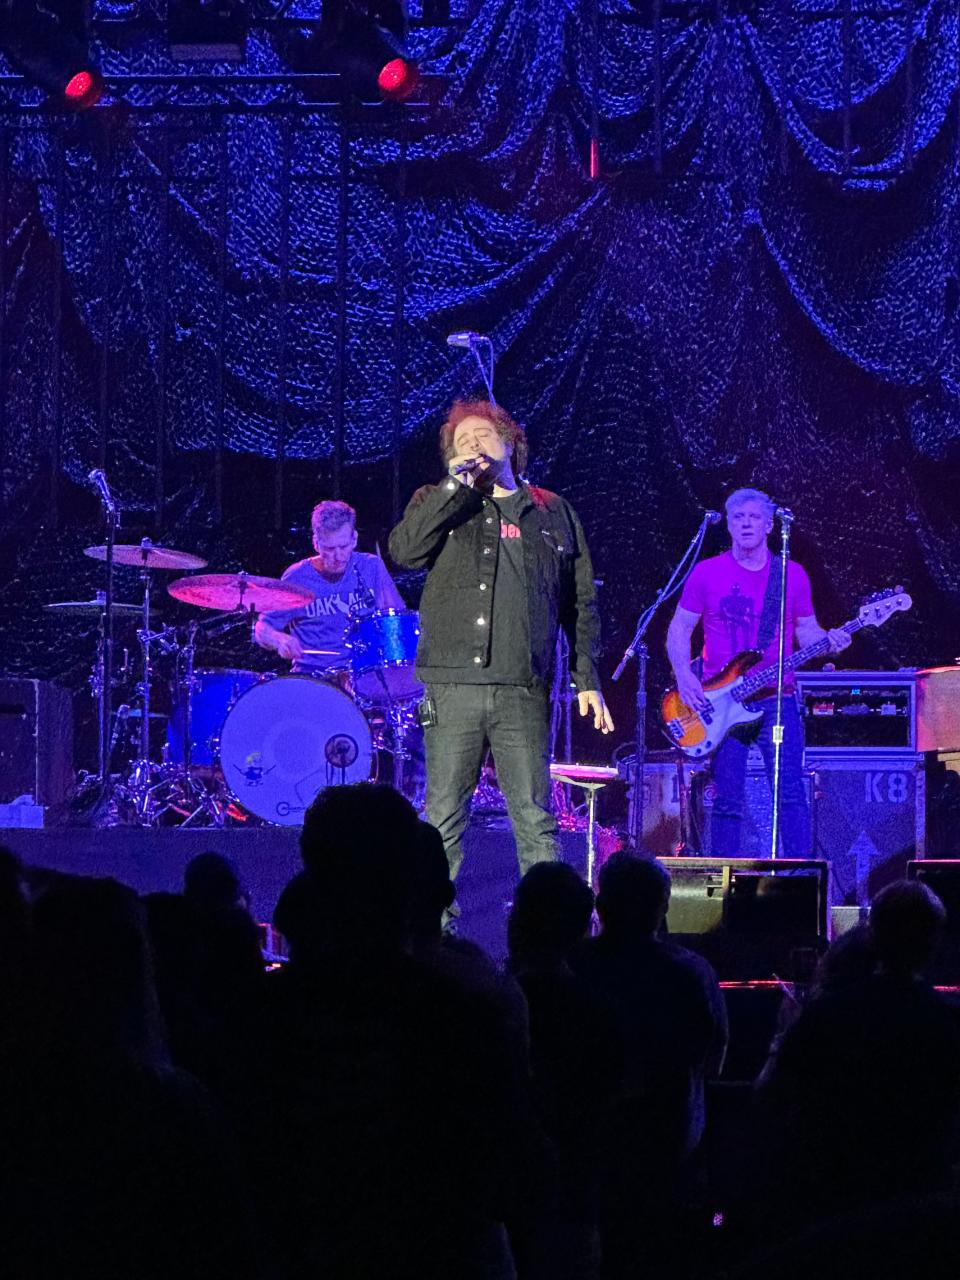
(238, 302)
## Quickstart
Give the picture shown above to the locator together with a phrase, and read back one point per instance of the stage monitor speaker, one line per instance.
(869, 820)
(751, 918)
(36, 742)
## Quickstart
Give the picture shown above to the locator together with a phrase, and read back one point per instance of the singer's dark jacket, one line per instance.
(454, 532)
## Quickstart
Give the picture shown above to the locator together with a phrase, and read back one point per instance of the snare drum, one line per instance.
(213, 694)
(286, 739)
(384, 648)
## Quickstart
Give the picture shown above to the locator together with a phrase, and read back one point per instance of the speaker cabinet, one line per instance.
(36, 742)
(751, 918)
(869, 820)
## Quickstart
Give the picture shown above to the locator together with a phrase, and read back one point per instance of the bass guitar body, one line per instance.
(697, 733)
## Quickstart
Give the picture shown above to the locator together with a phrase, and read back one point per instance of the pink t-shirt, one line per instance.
(730, 600)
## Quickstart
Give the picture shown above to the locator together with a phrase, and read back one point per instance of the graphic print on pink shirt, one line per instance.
(729, 599)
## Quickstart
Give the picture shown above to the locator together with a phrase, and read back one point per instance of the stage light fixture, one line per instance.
(49, 46)
(207, 30)
(364, 41)
(398, 79)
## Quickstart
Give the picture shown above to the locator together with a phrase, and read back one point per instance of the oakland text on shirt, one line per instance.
(326, 606)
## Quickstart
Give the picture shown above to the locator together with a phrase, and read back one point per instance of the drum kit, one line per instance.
(242, 746)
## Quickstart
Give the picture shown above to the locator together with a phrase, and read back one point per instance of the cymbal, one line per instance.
(233, 591)
(89, 606)
(146, 555)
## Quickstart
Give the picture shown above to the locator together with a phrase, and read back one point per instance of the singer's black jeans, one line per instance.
(729, 772)
(515, 722)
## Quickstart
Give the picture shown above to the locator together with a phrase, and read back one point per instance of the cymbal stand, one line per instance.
(206, 802)
(140, 787)
(561, 704)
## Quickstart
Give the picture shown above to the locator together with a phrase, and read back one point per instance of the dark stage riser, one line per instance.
(267, 858)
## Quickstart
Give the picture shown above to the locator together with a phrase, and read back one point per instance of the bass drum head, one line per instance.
(284, 741)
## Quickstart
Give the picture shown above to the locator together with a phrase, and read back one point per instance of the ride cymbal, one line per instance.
(234, 591)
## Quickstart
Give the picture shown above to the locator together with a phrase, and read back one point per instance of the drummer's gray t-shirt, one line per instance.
(325, 622)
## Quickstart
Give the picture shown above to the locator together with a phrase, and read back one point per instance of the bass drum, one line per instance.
(283, 741)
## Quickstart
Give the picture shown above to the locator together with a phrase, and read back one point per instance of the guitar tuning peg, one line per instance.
(898, 588)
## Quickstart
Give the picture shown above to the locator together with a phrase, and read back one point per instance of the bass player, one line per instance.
(729, 594)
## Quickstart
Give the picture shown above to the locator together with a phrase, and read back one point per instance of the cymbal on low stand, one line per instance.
(144, 555)
(235, 591)
(81, 607)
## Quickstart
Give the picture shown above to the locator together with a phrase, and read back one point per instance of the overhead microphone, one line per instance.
(467, 339)
(99, 481)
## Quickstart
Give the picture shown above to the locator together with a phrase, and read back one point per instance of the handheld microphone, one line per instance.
(471, 464)
(468, 339)
(712, 517)
(99, 481)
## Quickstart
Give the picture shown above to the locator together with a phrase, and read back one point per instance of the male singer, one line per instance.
(508, 565)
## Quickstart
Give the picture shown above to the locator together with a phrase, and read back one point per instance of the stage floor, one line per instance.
(267, 859)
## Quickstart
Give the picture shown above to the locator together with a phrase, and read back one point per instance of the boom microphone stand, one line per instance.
(111, 513)
(481, 348)
(785, 517)
(638, 649)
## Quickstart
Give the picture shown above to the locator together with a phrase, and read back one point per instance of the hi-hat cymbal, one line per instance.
(145, 555)
(90, 606)
(231, 591)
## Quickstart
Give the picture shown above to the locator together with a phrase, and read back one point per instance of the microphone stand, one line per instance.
(112, 514)
(786, 521)
(638, 649)
(485, 367)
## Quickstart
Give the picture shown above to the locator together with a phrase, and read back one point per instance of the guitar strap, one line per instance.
(770, 613)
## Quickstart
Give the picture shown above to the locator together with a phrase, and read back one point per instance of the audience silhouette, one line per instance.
(389, 1104)
(672, 1023)
(863, 1099)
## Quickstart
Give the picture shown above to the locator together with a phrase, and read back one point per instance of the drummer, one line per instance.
(346, 584)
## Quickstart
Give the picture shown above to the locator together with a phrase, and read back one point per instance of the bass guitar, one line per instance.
(698, 732)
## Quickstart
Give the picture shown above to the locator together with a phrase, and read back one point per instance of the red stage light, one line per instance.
(83, 89)
(398, 79)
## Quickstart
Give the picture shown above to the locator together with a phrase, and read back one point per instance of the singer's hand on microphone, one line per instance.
(468, 468)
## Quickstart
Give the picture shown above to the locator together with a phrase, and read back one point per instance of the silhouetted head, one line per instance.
(551, 913)
(359, 847)
(212, 882)
(849, 959)
(93, 969)
(433, 889)
(906, 920)
(633, 896)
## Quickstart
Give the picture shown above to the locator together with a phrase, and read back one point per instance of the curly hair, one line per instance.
(507, 429)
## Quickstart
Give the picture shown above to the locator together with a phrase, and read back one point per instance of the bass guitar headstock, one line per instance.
(878, 608)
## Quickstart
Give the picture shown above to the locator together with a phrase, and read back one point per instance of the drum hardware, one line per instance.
(236, 592)
(145, 555)
(142, 790)
(383, 646)
(96, 606)
(285, 739)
